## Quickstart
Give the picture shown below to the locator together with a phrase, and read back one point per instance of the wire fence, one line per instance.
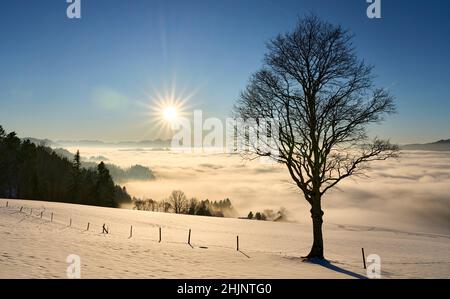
(45, 216)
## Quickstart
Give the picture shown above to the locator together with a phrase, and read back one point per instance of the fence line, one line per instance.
(352, 261)
(237, 246)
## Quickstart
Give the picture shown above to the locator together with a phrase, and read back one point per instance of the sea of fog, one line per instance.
(411, 193)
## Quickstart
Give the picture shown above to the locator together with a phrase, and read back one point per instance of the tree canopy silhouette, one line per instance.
(322, 97)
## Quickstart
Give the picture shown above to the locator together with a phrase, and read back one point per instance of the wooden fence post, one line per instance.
(131, 232)
(105, 230)
(189, 237)
(21, 208)
(70, 224)
(42, 213)
(237, 243)
(364, 258)
(87, 229)
(7, 203)
(51, 219)
(31, 212)
(160, 235)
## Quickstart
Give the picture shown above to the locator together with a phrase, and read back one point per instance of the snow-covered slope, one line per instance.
(31, 247)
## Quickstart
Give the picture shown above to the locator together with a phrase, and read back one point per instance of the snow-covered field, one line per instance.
(31, 247)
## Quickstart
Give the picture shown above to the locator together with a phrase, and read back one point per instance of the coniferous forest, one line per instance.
(36, 172)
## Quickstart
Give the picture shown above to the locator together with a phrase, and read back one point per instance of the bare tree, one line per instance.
(164, 206)
(322, 97)
(179, 201)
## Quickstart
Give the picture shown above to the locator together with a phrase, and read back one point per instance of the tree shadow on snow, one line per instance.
(331, 266)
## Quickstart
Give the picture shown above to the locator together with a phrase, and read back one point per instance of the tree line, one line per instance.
(36, 172)
(119, 175)
(179, 203)
(269, 215)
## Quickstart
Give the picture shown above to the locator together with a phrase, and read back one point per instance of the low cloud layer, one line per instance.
(411, 193)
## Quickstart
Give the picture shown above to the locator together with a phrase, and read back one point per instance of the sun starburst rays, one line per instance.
(163, 110)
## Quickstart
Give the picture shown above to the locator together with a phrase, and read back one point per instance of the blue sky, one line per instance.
(56, 74)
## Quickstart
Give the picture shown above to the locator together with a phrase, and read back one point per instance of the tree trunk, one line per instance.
(317, 220)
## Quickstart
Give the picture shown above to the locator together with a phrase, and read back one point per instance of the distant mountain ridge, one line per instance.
(98, 143)
(160, 143)
(446, 141)
(120, 175)
(36, 141)
(441, 145)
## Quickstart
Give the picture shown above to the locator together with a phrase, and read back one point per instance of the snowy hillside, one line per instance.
(32, 247)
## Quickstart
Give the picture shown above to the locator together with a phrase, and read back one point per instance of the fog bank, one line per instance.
(410, 193)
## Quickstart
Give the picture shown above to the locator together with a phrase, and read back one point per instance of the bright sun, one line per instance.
(166, 110)
(170, 113)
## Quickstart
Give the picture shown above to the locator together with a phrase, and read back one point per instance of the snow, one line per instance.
(32, 247)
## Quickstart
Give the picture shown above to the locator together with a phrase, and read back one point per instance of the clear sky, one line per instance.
(86, 79)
